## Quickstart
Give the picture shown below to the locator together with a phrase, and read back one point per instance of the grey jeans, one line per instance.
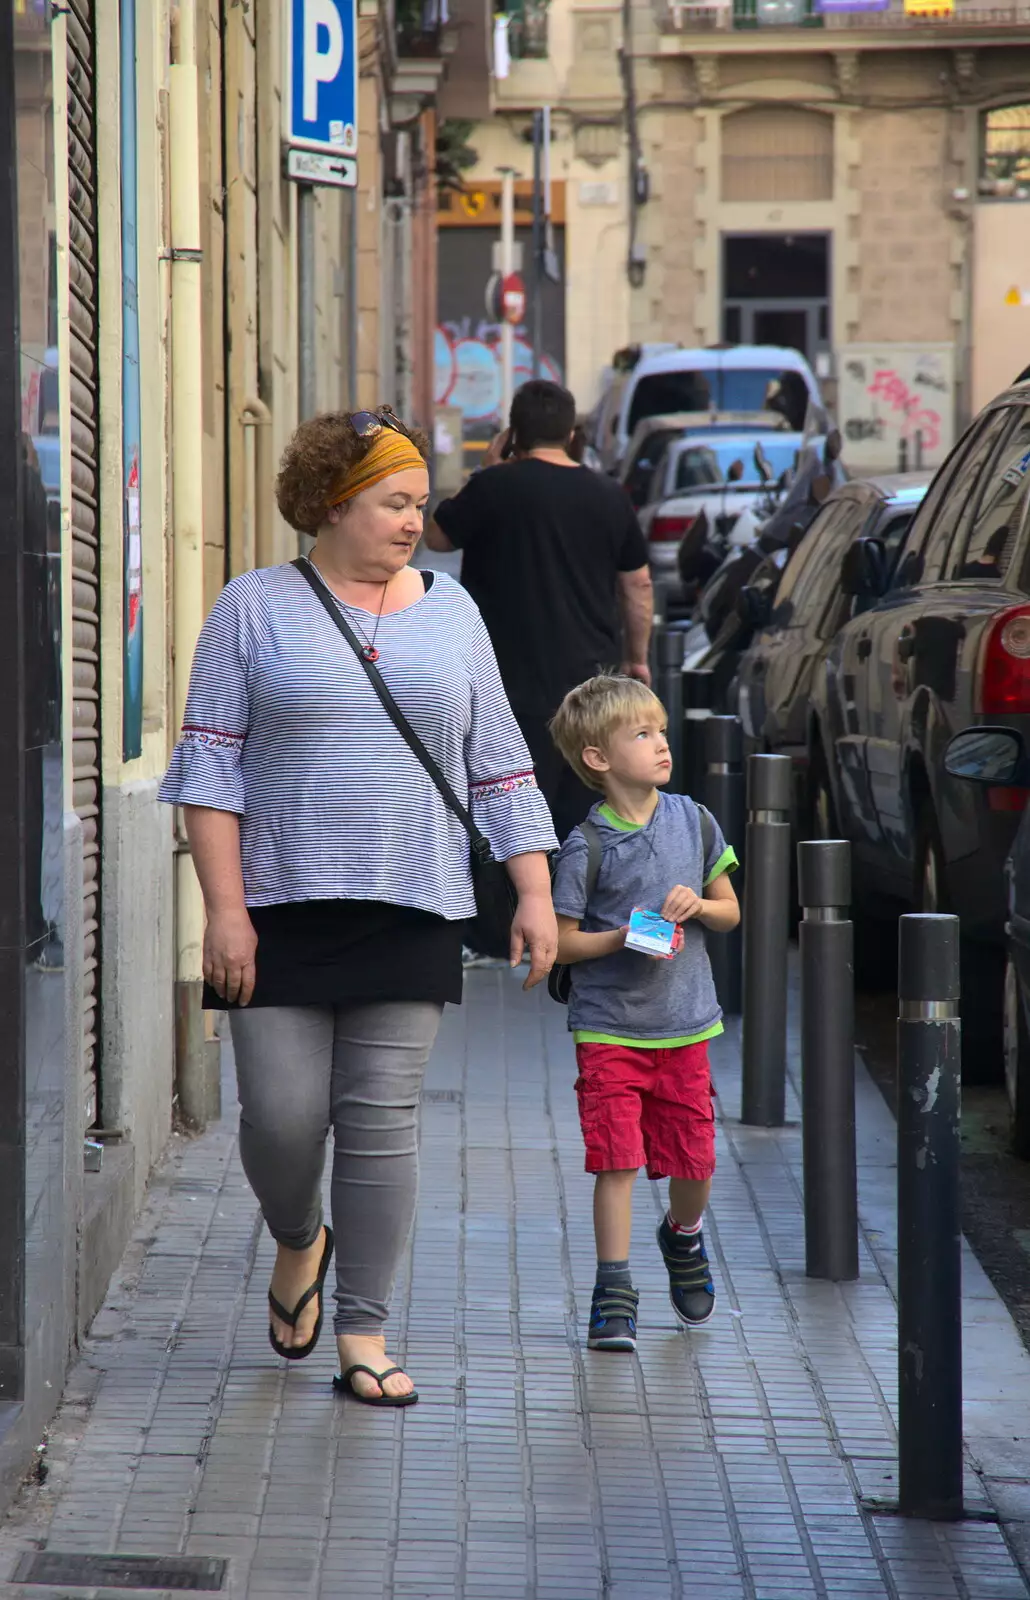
(358, 1069)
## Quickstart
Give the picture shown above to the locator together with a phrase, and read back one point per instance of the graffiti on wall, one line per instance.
(893, 395)
(467, 361)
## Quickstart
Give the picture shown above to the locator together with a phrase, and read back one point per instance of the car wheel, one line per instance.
(931, 879)
(1016, 1045)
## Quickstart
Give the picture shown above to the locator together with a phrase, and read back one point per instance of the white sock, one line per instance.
(681, 1227)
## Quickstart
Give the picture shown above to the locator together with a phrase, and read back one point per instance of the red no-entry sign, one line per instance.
(513, 298)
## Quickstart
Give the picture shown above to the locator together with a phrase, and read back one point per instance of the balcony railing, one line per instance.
(704, 16)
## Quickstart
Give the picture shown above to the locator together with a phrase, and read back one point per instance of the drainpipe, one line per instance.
(196, 1065)
(254, 414)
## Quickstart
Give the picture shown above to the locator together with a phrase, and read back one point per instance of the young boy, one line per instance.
(641, 1023)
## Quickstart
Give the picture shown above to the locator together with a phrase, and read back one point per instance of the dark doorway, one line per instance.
(776, 290)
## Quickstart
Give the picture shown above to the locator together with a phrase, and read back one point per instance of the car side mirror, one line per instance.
(863, 573)
(762, 466)
(989, 755)
(754, 606)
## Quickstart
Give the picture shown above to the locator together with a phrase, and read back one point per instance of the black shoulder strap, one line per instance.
(593, 838)
(707, 835)
(479, 843)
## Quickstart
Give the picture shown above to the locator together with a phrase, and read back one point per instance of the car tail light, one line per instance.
(663, 529)
(1004, 686)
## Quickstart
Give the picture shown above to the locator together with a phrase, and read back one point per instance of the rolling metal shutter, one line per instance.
(82, 266)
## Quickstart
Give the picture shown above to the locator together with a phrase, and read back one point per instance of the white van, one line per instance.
(737, 378)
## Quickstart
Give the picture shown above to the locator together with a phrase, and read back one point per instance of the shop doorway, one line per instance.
(776, 290)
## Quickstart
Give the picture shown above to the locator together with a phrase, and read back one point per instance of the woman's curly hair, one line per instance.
(322, 452)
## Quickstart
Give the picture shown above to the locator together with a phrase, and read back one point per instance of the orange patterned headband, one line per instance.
(392, 452)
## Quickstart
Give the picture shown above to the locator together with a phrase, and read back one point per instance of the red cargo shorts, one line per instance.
(640, 1106)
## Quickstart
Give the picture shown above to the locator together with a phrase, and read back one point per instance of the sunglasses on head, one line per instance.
(369, 424)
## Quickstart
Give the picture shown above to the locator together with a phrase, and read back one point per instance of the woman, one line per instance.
(335, 879)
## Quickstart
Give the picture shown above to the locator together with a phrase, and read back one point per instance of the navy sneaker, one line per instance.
(691, 1289)
(613, 1318)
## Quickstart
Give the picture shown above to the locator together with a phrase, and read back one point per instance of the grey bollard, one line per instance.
(929, 1224)
(826, 939)
(725, 799)
(659, 616)
(766, 927)
(698, 699)
(669, 688)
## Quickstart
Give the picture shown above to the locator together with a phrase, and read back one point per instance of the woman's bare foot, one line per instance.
(371, 1351)
(294, 1273)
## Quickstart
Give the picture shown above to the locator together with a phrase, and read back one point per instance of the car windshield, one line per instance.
(732, 462)
(736, 389)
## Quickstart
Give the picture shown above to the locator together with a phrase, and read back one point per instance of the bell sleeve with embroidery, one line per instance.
(504, 799)
(205, 768)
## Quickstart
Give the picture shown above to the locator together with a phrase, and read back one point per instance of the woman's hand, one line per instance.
(681, 904)
(230, 945)
(535, 926)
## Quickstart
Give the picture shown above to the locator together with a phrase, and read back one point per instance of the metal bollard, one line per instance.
(669, 688)
(766, 924)
(698, 699)
(659, 619)
(724, 797)
(826, 938)
(929, 1227)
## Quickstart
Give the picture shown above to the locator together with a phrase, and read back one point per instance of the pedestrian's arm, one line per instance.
(716, 909)
(636, 606)
(434, 537)
(230, 943)
(574, 945)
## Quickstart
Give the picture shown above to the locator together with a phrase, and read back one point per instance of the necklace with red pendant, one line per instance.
(369, 651)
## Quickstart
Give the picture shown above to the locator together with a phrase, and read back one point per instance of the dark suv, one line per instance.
(945, 644)
(776, 673)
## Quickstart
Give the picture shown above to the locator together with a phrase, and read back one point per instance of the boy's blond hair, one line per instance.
(590, 714)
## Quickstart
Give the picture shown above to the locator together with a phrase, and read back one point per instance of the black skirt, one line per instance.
(349, 952)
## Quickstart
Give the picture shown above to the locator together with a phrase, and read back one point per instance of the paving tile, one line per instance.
(533, 1468)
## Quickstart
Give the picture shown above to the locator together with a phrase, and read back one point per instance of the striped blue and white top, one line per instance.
(283, 727)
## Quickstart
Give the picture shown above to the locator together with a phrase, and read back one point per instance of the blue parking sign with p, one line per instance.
(323, 76)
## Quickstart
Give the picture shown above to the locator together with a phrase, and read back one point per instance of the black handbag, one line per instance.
(490, 930)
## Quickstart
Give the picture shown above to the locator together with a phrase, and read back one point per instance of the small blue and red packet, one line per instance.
(652, 935)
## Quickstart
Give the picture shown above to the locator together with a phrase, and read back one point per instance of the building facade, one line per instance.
(851, 180)
(169, 308)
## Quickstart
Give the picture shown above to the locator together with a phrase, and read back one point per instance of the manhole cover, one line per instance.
(122, 1572)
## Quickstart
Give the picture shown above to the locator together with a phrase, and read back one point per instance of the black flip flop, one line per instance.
(297, 1352)
(342, 1384)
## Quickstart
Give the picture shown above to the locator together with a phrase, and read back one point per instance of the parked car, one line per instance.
(653, 436)
(939, 643)
(735, 378)
(796, 624)
(719, 474)
(996, 759)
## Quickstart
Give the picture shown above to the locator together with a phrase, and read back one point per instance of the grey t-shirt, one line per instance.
(628, 995)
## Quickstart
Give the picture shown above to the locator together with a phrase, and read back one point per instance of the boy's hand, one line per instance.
(681, 904)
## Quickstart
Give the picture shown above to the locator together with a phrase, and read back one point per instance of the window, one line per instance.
(1005, 153)
(995, 525)
(645, 467)
(777, 153)
(925, 550)
(818, 559)
(665, 392)
(697, 467)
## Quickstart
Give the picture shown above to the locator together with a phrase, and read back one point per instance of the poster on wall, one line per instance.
(896, 402)
(132, 545)
(467, 360)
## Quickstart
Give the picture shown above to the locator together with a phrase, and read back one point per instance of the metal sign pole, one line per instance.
(507, 268)
(538, 242)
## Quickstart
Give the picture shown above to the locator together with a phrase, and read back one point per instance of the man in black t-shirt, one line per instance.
(554, 558)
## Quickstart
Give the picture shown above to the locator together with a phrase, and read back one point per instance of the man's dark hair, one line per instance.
(543, 415)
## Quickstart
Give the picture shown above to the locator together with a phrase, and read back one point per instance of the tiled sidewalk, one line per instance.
(725, 1464)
